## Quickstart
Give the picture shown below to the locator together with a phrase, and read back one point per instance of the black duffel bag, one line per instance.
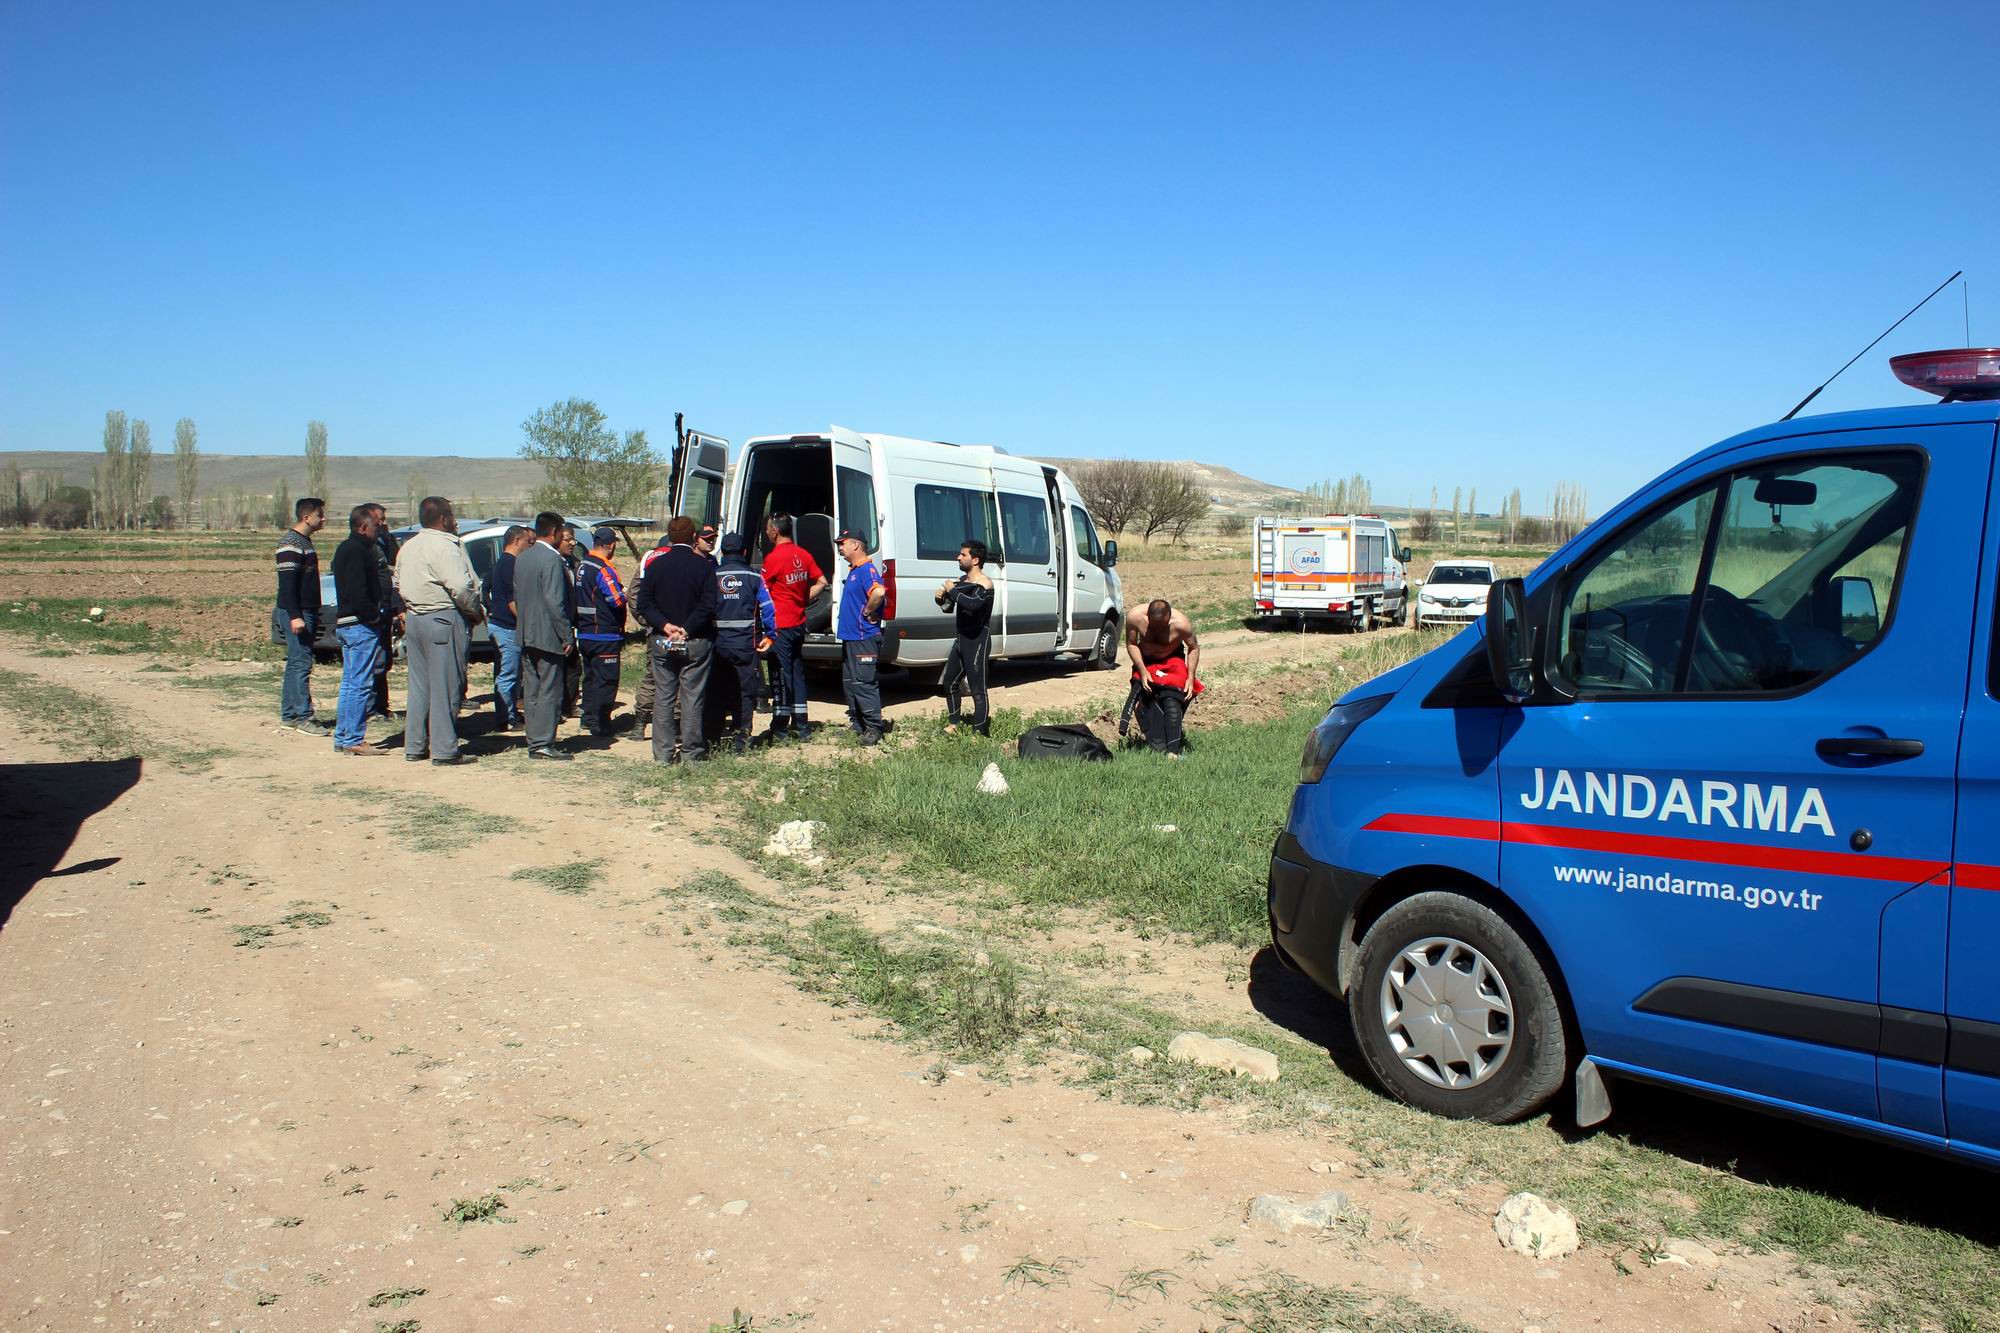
(1066, 742)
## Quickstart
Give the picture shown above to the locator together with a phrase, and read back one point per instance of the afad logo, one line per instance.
(1307, 559)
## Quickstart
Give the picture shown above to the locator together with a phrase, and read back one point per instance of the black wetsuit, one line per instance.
(972, 609)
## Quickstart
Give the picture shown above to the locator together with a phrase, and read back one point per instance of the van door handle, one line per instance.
(1867, 747)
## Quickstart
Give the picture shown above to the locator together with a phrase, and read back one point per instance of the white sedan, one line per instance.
(1454, 593)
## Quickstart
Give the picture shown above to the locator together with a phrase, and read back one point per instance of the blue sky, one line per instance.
(1476, 247)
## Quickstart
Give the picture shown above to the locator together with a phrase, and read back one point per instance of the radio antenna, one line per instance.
(1871, 346)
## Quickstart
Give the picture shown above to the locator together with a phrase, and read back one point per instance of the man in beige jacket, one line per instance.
(440, 605)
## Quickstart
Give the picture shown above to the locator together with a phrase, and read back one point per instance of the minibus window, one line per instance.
(1626, 615)
(1025, 520)
(950, 516)
(1085, 536)
(1805, 571)
(857, 503)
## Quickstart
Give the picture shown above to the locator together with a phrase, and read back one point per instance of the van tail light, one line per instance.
(1263, 605)
(888, 590)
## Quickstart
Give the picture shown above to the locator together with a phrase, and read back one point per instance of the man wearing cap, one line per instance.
(600, 634)
(704, 544)
(676, 598)
(744, 619)
(860, 630)
(794, 579)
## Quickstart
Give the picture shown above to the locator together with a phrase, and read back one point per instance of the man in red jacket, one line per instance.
(793, 579)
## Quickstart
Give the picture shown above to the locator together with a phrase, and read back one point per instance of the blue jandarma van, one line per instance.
(1712, 799)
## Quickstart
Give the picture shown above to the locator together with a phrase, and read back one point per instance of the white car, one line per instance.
(1454, 593)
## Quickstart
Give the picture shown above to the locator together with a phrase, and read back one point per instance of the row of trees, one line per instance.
(1127, 495)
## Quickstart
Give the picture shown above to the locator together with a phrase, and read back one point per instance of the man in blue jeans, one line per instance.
(361, 604)
(295, 617)
(863, 601)
(501, 624)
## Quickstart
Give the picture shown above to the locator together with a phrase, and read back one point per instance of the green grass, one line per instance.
(1073, 834)
(573, 878)
(485, 1208)
(395, 1297)
(92, 728)
(1274, 1302)
(934, 992)
(433, 826)
(124, 628)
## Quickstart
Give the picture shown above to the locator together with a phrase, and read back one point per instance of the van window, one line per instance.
(857, 503)
(1084, 535)
(701, 499)
(1804, 573)
(1797, 563)
(1025, 520)
(483, 555)
(950, 516)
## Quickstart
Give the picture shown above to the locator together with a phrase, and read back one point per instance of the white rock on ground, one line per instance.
(1274, 1210)
(1140, 1055)
(992, 781)
(794, 839)
(1528, 1224)
(1224, 1053)
(1690, 1252)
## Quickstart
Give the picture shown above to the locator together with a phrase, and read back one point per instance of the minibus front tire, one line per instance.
(1455, 1013)
(1104, 653)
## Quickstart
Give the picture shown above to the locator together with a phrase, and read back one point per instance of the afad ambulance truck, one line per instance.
(1711, 799)
(1343, 569)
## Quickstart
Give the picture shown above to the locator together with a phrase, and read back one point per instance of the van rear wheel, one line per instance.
(1455, 1013)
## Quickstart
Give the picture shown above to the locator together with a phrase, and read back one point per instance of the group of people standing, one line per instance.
(559, 624)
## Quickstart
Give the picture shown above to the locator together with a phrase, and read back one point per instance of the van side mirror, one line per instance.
(1111, 553)
(1508, 653)
(1403, 554)
(1860, 620)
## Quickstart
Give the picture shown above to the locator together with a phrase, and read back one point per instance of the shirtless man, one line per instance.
(1162, 635)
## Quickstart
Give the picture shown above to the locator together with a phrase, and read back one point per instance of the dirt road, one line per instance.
(267, 1065)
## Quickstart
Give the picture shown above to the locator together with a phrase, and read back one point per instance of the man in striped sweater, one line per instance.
(295, 617)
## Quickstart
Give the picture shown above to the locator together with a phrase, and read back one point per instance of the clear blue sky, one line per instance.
(1477, 246)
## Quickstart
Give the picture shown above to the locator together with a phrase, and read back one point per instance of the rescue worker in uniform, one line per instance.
(600, 634)
(745, 618)
(642, 698)
(969, 598)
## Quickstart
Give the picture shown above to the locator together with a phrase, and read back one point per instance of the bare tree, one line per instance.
(315, 459)
(590, 467)
(139, 474)
(1114, 491)
(1424, 526)
(281, 506)
(415, 484)
(109, 484)
(1173, 501)
(1457, 496)
(1231, 525)
(16, 498)
(187, 467)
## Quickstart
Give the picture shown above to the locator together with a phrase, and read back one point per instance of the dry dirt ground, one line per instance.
(256, 1046)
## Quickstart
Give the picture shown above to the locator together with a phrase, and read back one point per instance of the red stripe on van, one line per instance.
(1846, 865)
(1967, 876)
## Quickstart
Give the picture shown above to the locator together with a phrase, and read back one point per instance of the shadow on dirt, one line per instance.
(1895, 1182)
(42, 807)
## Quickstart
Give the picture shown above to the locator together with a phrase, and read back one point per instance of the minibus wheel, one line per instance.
(1104, 653)
(1454, 1011)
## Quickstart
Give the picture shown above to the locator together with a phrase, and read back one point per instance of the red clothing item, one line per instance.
(789, 571)
(1173, 675)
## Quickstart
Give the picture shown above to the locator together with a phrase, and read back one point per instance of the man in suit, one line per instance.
(676, 599)
(548, 639)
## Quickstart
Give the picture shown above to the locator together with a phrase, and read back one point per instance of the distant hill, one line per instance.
(500, 484)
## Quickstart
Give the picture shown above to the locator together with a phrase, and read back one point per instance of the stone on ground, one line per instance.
(993, 782)
(1276, 1211)
(794, 840)
(1528, 1224)
(1225, 1053)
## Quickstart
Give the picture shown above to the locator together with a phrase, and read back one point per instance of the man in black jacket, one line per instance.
(385, 553)
(676, 599)
(362, 594)
(970, 599)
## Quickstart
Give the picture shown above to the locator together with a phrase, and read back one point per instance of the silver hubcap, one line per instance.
(1447, 1013)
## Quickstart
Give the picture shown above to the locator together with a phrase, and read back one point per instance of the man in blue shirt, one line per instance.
(500, 623)
(862, 599)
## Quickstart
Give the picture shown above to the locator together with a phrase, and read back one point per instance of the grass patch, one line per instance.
(574, 878)
(932, 991)
(1276, 1302)
(90, 727)
(485, 1208)
(395, 1297)
(436, 826)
